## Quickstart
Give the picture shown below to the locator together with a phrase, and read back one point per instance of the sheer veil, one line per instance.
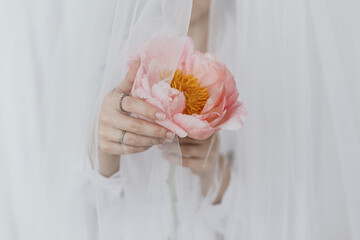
(294, 165)
(298, 158)
(50, 72)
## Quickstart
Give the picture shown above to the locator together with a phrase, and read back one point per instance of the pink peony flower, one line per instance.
(199, 97)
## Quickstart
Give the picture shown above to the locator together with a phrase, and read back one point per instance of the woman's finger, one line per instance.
(140, 107)
(187, 150)
(136, 125)
(131, 139)
(198, 151)
(119, 149)
(188, 140)
(197, 165)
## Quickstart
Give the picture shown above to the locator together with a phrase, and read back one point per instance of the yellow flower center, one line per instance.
(195, 95)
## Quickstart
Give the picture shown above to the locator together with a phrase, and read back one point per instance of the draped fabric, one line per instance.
(51, 63)
(150, 197)
(295, 163)
(298, 68)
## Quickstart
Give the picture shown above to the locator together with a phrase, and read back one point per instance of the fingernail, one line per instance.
(160, 116)
(170, 135)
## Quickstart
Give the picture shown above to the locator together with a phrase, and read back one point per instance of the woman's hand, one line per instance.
(197, 155)
(136, 135)
(200, 156)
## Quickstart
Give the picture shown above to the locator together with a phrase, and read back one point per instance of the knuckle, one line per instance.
(102, 146)
(103, 118)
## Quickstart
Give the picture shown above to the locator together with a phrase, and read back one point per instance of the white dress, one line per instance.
(296, 161)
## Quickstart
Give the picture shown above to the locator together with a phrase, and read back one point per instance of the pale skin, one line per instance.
(141, 134)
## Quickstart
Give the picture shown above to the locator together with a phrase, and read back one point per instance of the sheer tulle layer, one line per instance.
(296, 160)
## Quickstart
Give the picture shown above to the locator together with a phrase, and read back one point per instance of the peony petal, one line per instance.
(231, 90)
(234, 118)
(172, 126)
(187, 51)
(145, 84)
(156, 103)
(194, 127)
(172, 100)
(160, 91)
(178, 103)
(158, 57)
(202, 134)
(153, 73)
(215, 100)
(140, 93)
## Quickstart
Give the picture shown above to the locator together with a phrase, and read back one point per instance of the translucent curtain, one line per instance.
(298, 155)
(146, 198)
(50, 74)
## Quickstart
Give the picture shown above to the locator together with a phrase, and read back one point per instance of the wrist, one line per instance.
(108, 164)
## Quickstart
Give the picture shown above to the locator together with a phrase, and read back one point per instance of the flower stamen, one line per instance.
(196, 96)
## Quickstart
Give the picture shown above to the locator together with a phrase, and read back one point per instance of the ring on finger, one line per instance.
(121, 98)
(121, 138)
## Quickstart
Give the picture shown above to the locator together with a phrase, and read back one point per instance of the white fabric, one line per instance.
(118, 218)
(298, 69)
(51, 62)
(296, 160)
(150, 198)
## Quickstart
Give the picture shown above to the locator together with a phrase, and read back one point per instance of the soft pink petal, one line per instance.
(177, 104)
(145, 84)
(172, 126)
(187, 51)
(215, 100)
(172, 100)
(234, 118)
(156, 103)
(153, 73)
(231, 90)
(140, 93)
(194, 127)
(160, 91)
(158, 58)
